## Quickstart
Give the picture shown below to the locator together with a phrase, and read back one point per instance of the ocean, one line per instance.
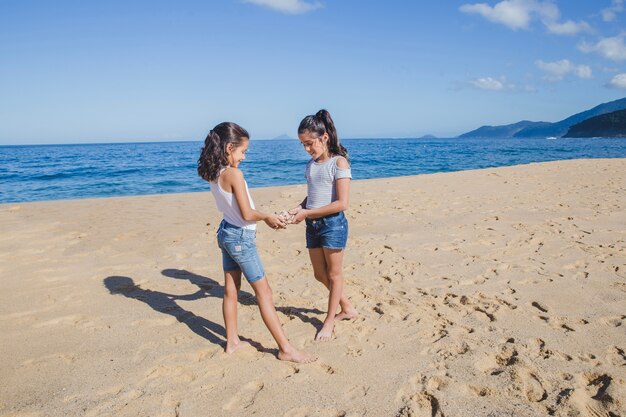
(59, 172)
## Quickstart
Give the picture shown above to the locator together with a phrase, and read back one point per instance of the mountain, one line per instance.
(560, 128)
(505, 131)
(528, 129)
(284, 136)
(428, 137)
(610, 125)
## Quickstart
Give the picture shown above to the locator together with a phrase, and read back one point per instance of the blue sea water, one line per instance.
(52, 172)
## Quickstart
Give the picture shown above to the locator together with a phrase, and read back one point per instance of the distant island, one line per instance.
(428, 137)
(610, 125)
(528, 129)
(284, 136)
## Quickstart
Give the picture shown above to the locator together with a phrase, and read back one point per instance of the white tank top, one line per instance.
(227, 204)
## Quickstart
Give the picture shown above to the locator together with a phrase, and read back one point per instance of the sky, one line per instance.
(160, 70)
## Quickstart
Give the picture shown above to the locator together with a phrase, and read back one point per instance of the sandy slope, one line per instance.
(482, 293)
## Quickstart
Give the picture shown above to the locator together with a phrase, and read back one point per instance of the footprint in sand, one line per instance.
(363, 331)
(598, 396)
(537, 348)
(480, 391)
(478, 306)
(356, 394)
(494, 364)
(355, 352)
(533, 389)
(485, 315)
(421, 404)
(245, 397)
(615, 356)
(505, 303)
(559, 322)
(613, 321)
(327, 368)
(416, 397)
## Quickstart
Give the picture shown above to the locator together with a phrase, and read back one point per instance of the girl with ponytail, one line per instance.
(328, 177)
(224, 149)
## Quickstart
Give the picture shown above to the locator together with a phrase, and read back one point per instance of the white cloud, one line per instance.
(556, 71)
(518, 14)
(610, 48)
(567, 28)
(507, 13)
(619, 81)
(583, 71)
(492, 84)
(287, 6)
(610, 13)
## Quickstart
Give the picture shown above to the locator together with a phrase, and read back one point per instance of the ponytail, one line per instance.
(319, 124)
(213, 155)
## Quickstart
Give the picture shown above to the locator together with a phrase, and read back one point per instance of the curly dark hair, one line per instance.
(213, 155)
(319, 123)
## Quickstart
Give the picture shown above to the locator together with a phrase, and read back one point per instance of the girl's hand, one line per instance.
(285, 216)
(298, 214)
(275, 221)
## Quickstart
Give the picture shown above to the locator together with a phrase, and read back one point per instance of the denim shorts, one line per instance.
(239, 252)
(329, 232)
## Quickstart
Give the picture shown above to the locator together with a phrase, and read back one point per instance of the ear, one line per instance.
(229, 148)
(325, 137)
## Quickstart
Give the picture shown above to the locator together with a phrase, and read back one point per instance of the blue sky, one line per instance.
(110, 71)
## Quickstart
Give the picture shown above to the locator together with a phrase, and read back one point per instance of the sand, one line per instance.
(495, 292)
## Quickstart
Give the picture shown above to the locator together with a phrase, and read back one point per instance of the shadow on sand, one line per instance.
(168, 304)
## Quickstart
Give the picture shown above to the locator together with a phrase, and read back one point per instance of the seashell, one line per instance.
(285, 216)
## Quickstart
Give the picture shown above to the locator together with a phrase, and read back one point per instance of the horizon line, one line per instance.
(201, 140)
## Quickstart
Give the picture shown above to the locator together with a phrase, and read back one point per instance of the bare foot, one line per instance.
(294, 355)
(326, 333)
(347, 315)
(235, 346)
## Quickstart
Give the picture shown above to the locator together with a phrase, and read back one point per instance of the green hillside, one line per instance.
(610, 125)
(528, 129)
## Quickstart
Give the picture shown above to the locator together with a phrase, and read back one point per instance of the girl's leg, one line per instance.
(286, 351)
(320, 271)
(334, 263)
(232, 284)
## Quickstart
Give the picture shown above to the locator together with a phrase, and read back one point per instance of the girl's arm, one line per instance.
(342, 188)
(299, 206)
(234, 180)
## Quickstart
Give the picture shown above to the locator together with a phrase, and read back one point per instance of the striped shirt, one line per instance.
(321, 181)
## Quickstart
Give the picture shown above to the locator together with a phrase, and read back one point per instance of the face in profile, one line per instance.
(315, 146)
(237, 154)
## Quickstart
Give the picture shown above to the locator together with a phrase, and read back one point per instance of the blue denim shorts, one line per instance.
(329, 232)
(239, 252)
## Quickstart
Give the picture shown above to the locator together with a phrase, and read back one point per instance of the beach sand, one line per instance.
(495, 292)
